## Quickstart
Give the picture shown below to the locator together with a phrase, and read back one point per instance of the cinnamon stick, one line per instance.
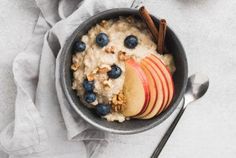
(149, 22)
(161, 36)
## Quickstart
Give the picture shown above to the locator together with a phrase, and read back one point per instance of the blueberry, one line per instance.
(90, 97)
(103, 109)
(131, 41)
(102, 39)
(88, 85)
(115, 72)
(79, 46)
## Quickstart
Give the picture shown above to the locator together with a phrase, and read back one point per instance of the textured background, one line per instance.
(207, 29)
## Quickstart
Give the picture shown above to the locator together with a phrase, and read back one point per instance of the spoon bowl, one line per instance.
(196, 87)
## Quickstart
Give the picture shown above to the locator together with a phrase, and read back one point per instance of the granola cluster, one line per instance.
(118, 102)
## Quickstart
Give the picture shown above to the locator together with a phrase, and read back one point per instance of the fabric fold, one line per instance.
(26, 134)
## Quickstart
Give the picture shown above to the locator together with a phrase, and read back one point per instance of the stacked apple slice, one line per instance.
(148, 87)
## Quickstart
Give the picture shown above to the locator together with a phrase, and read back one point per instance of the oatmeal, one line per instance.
(99, 63)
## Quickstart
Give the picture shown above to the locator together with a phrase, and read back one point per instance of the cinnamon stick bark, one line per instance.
(149, 22)
(161, 36)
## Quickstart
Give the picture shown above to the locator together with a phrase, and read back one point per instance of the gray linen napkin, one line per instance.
(39, 103)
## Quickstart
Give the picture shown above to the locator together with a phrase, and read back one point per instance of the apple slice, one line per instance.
(163, 81)
(167, 76)
(158, 106)
(152, 88)
(136, 89)
(161, 75)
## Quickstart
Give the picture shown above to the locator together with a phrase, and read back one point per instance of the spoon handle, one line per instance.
(165, 138)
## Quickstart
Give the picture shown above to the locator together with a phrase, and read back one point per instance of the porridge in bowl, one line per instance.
(118, 72)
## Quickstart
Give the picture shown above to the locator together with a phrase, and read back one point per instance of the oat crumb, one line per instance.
(90, 77)
(115, 116)
(103, 23)
(110, 50)
(104, 68)
(74, 67)
(94, 103)
(122, 56)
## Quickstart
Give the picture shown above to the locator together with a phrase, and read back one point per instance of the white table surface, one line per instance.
(207, 29)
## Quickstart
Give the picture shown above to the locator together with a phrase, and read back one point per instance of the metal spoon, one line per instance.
(196, 87)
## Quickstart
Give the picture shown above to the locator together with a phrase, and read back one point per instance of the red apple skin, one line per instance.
(144, 84)
(160, 100)
(152, 88)
(167, 75)
(163, 80)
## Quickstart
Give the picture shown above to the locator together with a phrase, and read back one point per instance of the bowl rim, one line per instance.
(62, 80)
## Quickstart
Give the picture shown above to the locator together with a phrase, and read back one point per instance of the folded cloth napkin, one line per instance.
(39, 102)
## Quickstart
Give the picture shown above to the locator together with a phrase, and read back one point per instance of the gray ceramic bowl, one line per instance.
(133, 126)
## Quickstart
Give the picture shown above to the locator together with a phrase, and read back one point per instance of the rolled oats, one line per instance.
(107, 83)
(115, 116)
(104, 68)
(95, 71)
